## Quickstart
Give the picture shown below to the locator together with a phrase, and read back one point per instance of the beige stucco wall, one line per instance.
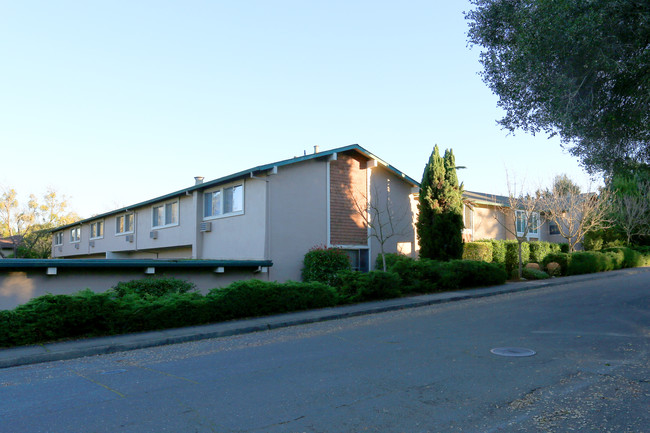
(486, 225)
(387, 191)
(238, 237)
(182, 234)
(297, 215)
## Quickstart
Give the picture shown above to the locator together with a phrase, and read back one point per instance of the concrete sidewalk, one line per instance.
(118, 343)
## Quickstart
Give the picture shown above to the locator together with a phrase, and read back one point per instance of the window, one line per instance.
(58, 238)
(124, 224)
(359, 259)
(165, 214)
(553, 228)
(522, 223)
(75, 234)
(97, 230)
(226, 201)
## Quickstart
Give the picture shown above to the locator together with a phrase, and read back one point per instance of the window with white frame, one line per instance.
(165, 214)
(223, 202)
(522, 223)
(97, 230)
(58, 238)
(75, 234)
(124, 224)
(359, 259)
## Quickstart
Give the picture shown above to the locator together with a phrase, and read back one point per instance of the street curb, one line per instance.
(25, 355)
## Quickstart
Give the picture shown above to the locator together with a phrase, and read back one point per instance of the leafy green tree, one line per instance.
(577, 68)
(28, 226)
(440, 217)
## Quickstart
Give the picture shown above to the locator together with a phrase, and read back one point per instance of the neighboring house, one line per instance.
(7, 245)
(273, 212)
(485, 219)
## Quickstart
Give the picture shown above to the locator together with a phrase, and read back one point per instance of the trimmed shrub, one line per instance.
(173, 310)
(479, 251)
(631, 257)
(498, 250)
(9, 328)
(584, 262)
(360, 286)
(430, 276)
(469, 273)
(561, 259)
(564, 248)
(411, 273)
(391, 259)
(512, 255)
(534, 274)
(152, 287)
(252, 298)
(322, 264)
(553, 269)
(53, 317)
(539, 250)
(645, 255)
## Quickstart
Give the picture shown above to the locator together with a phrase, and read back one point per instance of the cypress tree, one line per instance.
(440, 218)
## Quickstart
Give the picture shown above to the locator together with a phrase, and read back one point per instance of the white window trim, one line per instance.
(530, 234)
(103, 229)
(124, 215)
(230, 214)
(78, 239)
(164, 215)
(58, 239)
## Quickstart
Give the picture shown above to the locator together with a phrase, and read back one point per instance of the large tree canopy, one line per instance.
(577, 68)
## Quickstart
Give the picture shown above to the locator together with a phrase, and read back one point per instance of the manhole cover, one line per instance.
(512, 351)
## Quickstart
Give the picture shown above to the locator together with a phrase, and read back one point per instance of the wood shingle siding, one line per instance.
(348, 182)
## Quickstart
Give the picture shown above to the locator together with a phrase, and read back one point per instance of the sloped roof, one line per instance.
(487, 199)
(245, 173)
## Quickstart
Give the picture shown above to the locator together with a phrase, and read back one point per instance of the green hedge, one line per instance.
(481, 251)
(250, 298)
(156, 287)
(512, 255)
(90, 314)
(428, 276)
(561, 259)
(321, 264)
(539, 250)
(354, 286)
(534, 274)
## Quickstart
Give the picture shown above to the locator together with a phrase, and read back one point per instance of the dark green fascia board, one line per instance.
(241, 175)
(15, 264)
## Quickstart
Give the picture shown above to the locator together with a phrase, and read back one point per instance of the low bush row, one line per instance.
(586, 262)
(506, 252)
(150, 304)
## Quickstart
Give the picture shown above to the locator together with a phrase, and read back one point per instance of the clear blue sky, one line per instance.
(112, 103)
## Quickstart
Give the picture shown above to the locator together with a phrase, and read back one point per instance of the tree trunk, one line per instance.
(520, 261)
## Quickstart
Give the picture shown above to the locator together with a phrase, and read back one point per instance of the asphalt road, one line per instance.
(428, 369)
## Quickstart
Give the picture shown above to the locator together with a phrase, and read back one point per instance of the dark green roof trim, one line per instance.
(16, 264)
(241, 175)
